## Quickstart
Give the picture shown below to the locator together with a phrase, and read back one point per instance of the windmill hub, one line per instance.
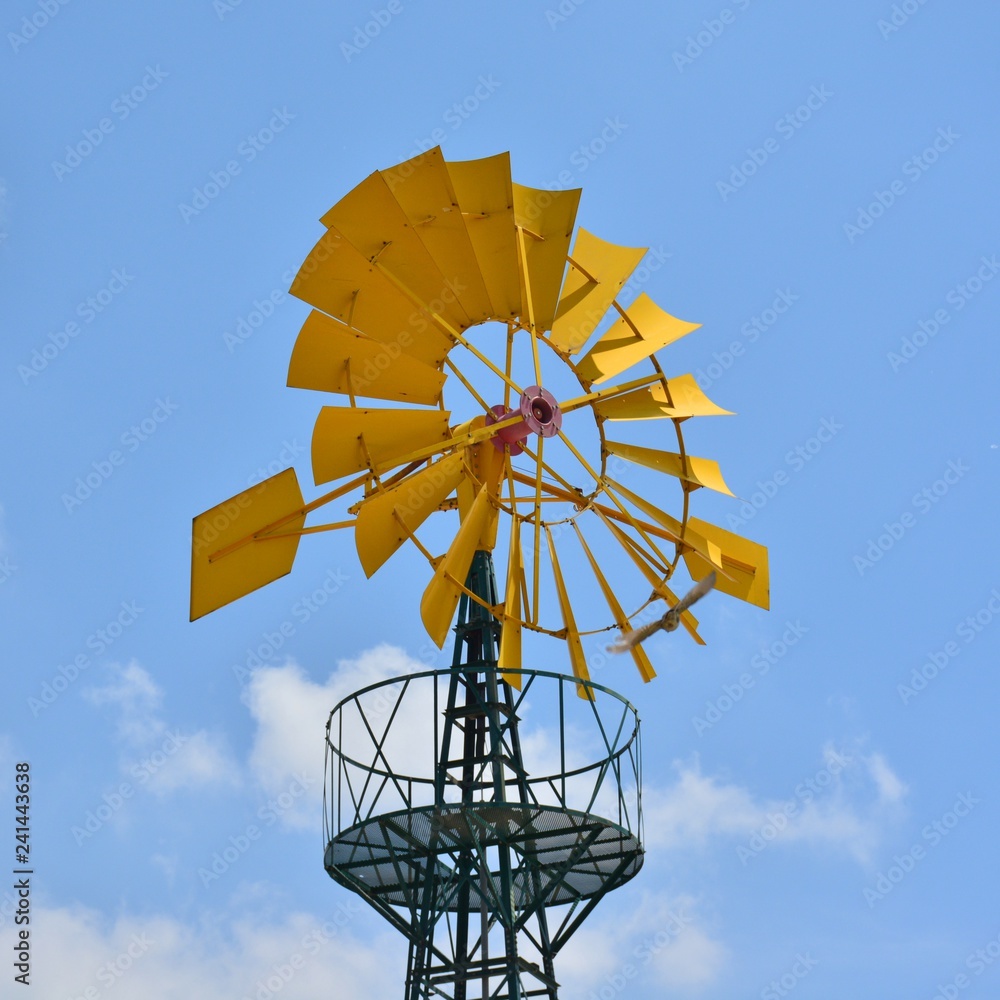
(540, 414)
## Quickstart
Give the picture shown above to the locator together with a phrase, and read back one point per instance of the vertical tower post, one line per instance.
(480, 762)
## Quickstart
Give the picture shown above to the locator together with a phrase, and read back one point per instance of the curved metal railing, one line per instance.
(582, 754)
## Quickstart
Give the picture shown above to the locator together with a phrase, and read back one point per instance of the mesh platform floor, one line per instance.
(559, 855)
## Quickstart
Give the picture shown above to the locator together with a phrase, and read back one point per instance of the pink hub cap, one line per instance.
(540, 414)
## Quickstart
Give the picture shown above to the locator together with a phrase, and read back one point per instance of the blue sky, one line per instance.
(817, 187)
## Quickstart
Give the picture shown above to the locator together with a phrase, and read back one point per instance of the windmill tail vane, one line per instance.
(474, 447)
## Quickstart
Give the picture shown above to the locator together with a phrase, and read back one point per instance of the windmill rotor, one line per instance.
(412, 261)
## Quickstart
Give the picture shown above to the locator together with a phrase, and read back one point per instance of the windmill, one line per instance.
(463, 443)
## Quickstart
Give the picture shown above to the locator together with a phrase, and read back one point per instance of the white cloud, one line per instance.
(291, 712)
(891, 789)
(657, 942)
(696, 807)
(137, 698)
(201, 759)
(161, 758)
(849, 803)
(161, 958)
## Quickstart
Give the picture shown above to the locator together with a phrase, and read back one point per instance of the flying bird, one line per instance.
(669, 621)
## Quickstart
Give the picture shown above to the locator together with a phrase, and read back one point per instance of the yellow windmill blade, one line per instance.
(572, 636)
(340, 281)
(486, 199)
(225, 565)
(484, 467)
(509, 659)
(251, 539)
(389, 517)
(376, 225)
(745, 564)
(694, 472)
(347, 439)
(424, 190)
(544, 227)
(437, 608)
(331, 357)
(598, 271)
(641, 331)
(679, 399)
